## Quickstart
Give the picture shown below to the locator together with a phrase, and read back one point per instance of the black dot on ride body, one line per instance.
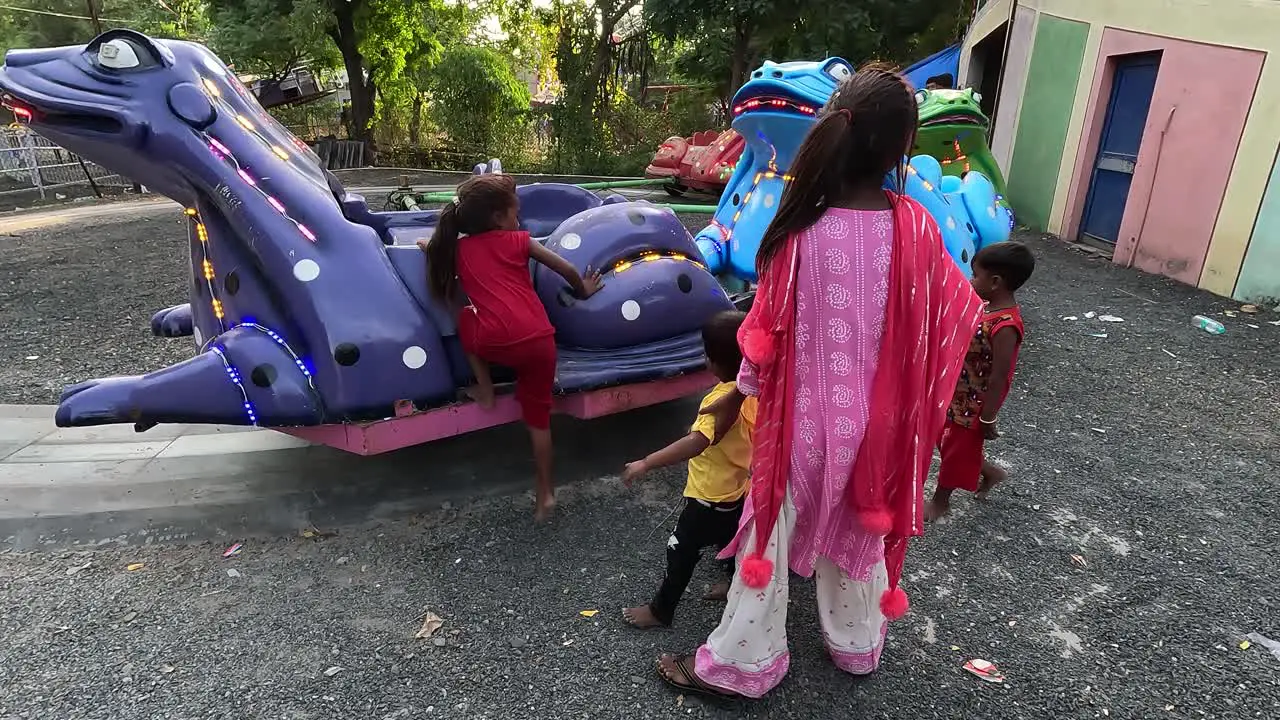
(231, 283)
(685, 283)
(635, 217)
(263, 375)
(346, 354)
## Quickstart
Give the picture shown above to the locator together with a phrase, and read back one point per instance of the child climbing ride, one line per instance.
(853, 346)
(716, 482)
(479, 251)
(998, 271)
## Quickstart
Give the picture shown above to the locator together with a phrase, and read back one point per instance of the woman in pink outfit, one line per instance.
(859, 328)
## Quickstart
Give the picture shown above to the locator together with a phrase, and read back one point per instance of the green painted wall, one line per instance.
(1046, 112)
(1259, 279)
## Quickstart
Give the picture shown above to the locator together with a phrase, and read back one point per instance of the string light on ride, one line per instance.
(206, 265)
(773, 103)
(220, 150)
(236, 379)
(218, 147)
(927, 185)
(960, 156)
(651, 256)
(252, 324)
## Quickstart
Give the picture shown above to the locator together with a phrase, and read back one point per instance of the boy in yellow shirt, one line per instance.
(717, 482)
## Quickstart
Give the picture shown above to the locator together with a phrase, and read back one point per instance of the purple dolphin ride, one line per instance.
(306, 307)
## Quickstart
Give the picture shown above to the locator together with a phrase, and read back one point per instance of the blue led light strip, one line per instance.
(284, 344)
(235, 377)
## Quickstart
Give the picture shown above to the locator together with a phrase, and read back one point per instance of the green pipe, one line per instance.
(443, 196)
(447, 195)
(623, 183)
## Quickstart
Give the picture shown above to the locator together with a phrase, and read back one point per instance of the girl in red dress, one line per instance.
(998, 272)
(479, 251)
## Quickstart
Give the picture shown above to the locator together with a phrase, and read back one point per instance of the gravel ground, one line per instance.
(1151, 455)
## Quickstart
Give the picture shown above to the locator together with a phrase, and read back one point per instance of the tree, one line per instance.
(374, 40)
(725, 39)
(269, 38)
(50, 23)
(475, 97)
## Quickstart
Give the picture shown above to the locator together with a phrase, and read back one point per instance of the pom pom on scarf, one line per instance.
(876, 522)
(756, 571)
(894, 603)
(757, 345)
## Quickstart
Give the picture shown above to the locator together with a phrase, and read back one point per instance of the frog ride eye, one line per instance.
(839, 71)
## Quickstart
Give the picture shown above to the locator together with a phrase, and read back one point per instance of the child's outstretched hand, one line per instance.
(591, 283)
(634, 471)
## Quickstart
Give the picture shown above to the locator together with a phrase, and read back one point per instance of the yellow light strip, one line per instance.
(652, 255)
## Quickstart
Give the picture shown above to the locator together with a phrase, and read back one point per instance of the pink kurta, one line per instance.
(842, 286)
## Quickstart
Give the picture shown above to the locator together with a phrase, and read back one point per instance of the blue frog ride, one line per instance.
(773, 111)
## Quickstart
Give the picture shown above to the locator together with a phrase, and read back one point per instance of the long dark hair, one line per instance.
(862, 133)
(480, 201)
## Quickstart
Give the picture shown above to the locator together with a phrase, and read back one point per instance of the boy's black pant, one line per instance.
(702, 524)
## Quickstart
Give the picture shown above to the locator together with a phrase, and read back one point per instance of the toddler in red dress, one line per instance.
(478, 250)
(998, 271)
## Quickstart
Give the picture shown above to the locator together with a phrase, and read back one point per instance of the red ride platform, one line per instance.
(417, 427)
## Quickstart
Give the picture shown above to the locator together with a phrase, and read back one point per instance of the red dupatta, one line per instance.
(931, 314)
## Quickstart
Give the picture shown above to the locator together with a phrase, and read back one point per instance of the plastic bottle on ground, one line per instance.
(1208, 325)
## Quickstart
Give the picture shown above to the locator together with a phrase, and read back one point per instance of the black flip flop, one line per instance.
(695, 685)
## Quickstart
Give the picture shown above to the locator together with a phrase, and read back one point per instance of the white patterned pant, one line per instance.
(747, 654)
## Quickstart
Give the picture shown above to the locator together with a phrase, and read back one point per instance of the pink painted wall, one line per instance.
(1211, 87)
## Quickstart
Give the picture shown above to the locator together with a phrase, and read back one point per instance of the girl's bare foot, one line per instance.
(992, 475)
(482, 395)
(641, 617)
(935, 509)
(718, 593)
(544, 508)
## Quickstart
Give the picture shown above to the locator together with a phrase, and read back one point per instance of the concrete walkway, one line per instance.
(72, 486)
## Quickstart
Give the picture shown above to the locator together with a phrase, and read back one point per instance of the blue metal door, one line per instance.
(1131, 90)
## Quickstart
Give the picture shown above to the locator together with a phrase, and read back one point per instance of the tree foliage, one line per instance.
(475, 97)
(462, 65)
(50, 23)
(722, 40)
(271, 37)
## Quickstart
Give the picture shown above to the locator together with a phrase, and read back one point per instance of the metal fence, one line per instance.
(29, 163)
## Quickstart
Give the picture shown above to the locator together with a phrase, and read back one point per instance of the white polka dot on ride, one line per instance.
(414, 357)
(630, 310)
(571, 241)
(306, 270)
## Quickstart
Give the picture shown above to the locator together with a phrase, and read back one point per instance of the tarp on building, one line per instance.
(943, 62)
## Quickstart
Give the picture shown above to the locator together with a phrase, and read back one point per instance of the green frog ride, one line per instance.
(953, 130)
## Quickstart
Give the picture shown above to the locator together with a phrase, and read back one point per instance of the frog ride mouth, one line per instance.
(776, 103)
(955, 118)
